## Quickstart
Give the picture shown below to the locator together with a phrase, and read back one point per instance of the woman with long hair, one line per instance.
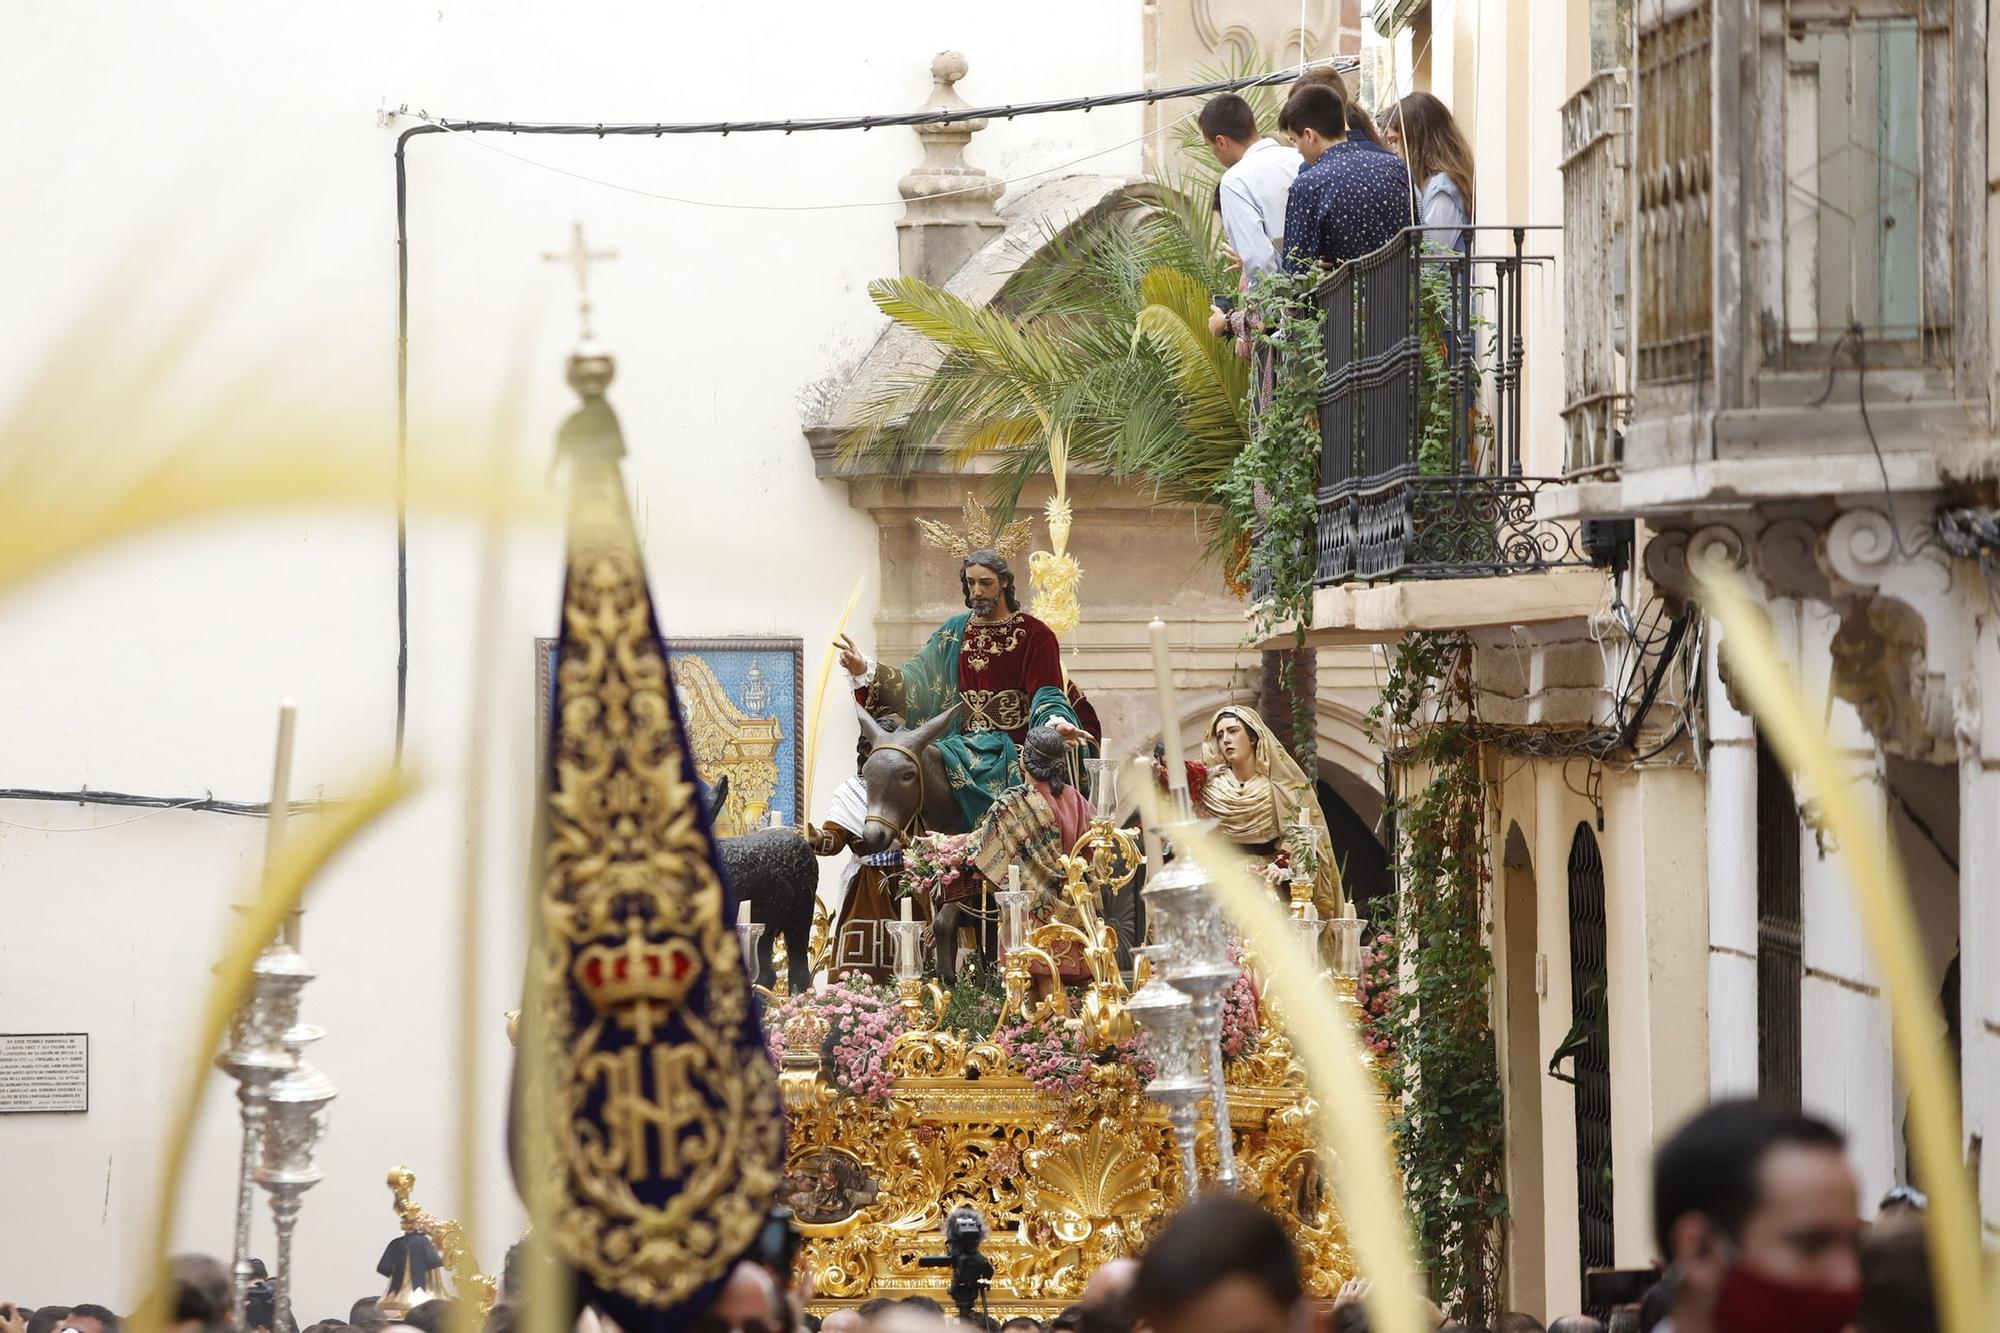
(1421, 129)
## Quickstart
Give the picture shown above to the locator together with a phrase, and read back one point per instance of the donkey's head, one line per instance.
(893, 776)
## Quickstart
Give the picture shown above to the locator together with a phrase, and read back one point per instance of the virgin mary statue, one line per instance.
(1256, 791)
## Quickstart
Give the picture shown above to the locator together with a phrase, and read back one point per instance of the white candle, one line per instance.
(281, 801)
(743, 914)
(1013, 879)
(1170, 722)
(907, 909)
(1312, 911)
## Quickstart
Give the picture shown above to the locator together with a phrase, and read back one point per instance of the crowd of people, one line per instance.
(1756, 1219)
(1342, 188)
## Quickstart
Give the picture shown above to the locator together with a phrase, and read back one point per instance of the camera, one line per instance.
(971, 1271)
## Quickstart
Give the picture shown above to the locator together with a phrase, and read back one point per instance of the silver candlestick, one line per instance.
(1165, 1021)
(298, 1106)
(256, 1058)
(1190, 923)
(748, 933)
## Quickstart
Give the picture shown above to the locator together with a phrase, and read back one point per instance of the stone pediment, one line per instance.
(1031, 220)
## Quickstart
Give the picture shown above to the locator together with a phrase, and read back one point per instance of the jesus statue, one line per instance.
(1003, 664)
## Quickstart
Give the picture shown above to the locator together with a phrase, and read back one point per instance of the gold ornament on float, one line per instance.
(980, 531)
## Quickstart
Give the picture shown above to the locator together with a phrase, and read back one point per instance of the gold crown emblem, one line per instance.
(980, 533)
(636, 980)
(805, 1033)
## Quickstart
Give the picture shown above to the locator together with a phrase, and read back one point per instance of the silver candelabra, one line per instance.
(297, 1109)
(282, 1098)
(256, 1057)
(1167, 1039)
(1188, 926)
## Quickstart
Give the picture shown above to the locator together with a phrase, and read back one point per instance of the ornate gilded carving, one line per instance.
(468, 1283)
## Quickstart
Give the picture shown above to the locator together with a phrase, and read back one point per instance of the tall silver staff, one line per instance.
(255, 1055)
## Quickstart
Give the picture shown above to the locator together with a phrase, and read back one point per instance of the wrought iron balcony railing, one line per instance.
(1420, 418)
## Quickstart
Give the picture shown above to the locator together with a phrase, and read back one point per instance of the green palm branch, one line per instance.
(1100, 347)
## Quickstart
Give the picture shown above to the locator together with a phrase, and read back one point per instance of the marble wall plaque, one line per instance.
(44, 1071)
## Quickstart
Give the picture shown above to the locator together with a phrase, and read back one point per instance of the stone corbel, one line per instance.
(1787, 552)
(1672, 556)
(1904, 638)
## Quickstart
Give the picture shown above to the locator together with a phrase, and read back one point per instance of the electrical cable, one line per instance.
(95, 828)
(157, 804)
(442, 125)
(1857, 335)
(982, 186)
(919, 117)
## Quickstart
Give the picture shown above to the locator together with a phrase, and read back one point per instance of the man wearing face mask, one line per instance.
(1758, 1214)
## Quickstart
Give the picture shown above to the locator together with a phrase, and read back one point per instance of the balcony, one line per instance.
(1421, 418)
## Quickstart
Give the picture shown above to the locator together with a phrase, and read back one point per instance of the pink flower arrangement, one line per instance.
(1376, 990)
(1049, 1053)
(1242, 1022)
(939, 864)
(863, 1021)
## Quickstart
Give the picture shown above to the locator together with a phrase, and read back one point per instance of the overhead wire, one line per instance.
(154, 804)
(984, 184)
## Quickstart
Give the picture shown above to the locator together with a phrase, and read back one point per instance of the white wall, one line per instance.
(232, 151)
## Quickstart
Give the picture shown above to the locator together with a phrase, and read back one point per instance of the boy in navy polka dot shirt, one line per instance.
(1349, 201)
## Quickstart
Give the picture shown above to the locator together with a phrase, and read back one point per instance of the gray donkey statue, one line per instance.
(909, 794)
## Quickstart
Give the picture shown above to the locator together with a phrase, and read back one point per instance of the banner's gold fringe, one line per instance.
(304, 855)
(1777, 700)
(1353, 1139)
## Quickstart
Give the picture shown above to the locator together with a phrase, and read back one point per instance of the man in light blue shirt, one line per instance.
(1256, 179)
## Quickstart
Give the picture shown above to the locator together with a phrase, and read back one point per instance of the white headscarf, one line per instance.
(1259, 808)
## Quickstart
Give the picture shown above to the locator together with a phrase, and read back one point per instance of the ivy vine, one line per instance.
(1273, 484)
(1445, 1079)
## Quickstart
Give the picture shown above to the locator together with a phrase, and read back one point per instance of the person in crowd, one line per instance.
(870, 1310)
(433, 1317)
(48, 1319)
(204, 1296)
(1657, 1303)
(1223, 1265)
(92, 1319)
(842, 1321)
(365, 1309)
(918, 1315)
(1348, 201)
(1257, 175)
(1068, 1320)
(1514, 1321)
(1758, 1213)
(1421, 130)
(1622, 1321)
(1107, 1297)
(1896, 1291)
(1576, 1323)
(1902, 1200)
(747, 1303)
(1022, 1323)
(1359, 127)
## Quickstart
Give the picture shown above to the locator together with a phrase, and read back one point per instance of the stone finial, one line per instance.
(948, 213)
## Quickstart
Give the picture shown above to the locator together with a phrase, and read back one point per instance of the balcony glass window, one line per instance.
(1853, 184)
